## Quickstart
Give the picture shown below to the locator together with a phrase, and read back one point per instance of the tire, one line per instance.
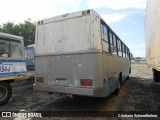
(117, 89)
(116, 92)
(128, 74)
(156, 75)
(129, 70)
(5, 92)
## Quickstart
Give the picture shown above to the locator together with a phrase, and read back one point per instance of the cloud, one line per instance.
(142, 45)
(138, 53)
(117, 4)
(138, 46)
(115, 17)
(20, 10)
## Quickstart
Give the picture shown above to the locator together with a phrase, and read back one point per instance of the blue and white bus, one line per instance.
(29, 57)
(12, 64)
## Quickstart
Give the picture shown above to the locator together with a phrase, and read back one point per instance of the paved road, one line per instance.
(139, 93)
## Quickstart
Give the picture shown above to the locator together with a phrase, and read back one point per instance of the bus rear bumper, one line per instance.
(71, 90)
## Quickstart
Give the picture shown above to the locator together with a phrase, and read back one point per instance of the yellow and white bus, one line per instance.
(12, 64)
(79, 54)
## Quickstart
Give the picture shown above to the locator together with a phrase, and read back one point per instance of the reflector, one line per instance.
(86, 82)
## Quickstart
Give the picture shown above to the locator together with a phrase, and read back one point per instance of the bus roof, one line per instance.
(67, 16)
(10, 36)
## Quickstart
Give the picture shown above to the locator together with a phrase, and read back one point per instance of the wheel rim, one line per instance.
(3, 93)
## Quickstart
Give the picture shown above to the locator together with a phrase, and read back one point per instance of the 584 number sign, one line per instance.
(5, 68)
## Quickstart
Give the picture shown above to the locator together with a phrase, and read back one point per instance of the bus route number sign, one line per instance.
(5, 68)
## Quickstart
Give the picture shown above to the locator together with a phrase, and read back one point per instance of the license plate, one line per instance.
(5, 68)
(61, 82)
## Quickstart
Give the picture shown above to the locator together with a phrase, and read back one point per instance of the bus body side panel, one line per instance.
(12, 68)
(126, 66)
(112, 66)
(110, 73)
(62, 73)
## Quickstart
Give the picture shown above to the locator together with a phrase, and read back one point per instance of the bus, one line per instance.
(79, 54)
(29, 57)
(12, 64)
(152, 37)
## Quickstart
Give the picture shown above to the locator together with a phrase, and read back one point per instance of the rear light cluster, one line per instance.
(39, 79)
(86, 82)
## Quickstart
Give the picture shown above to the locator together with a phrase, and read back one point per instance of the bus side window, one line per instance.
(129, 56)
(114, 40)
(102, 33)
(124, 49)
(126, 52)
(123, 54)
(119, 48)
(112, 44)
(105, 33)
(110, 38)
(105, 44)
(115, 44)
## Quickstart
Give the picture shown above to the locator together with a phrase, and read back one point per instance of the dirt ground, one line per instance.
(139, 93)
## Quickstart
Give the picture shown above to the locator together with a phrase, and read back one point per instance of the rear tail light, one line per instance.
(86, 82)
(39, 79)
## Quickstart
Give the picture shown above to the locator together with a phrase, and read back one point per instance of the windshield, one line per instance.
(29, 54)
(10, 49)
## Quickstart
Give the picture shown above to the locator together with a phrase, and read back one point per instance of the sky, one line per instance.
(125, 17)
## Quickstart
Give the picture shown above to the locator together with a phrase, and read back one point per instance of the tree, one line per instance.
(26, 30)
(8, 28)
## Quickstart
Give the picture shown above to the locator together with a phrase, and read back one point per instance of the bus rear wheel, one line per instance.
(118, 89)
(5, 92)
(156, 75)
(116, 92)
